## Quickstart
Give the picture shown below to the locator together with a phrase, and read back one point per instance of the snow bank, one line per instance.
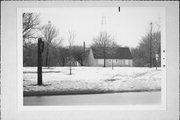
(92, 79)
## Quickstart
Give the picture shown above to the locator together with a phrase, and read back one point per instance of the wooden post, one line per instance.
(119, 9)
(70, 67)
(40, 50)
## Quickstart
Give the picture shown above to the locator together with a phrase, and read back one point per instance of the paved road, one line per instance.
(130, 98)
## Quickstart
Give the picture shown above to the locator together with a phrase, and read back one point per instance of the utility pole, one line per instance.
(84, 56)
(47, 50)
(103, 23)
(150, 46)
(70, 60)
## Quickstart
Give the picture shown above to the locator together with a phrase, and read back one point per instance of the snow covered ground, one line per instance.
(91, 80)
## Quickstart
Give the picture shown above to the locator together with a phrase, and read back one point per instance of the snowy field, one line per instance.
(57, 80)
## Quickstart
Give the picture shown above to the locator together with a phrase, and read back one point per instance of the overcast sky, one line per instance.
(127, 26)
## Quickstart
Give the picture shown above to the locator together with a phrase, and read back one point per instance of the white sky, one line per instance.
(127, 26)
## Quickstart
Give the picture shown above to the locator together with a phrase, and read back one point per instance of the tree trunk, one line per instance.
(70, 68)
(48, 61)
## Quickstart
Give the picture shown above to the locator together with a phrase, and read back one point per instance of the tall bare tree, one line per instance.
(103, 41)
(71, 36)
(50, 33)
(31, 24)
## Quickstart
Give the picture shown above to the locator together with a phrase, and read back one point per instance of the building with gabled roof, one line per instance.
(118, 56)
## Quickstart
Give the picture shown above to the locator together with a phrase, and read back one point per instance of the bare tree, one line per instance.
(71, 36)
(104, 40)
(31, 24)
(59, 53)
(50, 33)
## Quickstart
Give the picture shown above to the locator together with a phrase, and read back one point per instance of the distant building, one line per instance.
(120, 56)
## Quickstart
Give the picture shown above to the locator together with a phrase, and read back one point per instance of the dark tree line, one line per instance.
(59, 56)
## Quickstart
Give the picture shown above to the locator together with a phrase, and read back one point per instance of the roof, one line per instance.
(115, 53)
